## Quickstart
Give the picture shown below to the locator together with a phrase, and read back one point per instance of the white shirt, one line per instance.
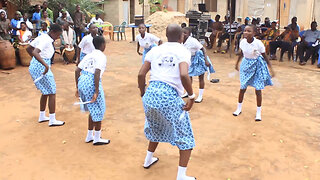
(165, 60)
(26, 35)
(68, 14)
(96, 21)
(252, 50)
(45, 44)
(148, 40)
(29, 24)
(86, 44)
(93, 61)
(193, 45)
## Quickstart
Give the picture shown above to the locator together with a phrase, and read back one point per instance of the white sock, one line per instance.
(182, 174)
(97, 136)
(200, 92)
(97, 140)
(148, 159)
(89, 136)
(239, 109)
(52, 117)
(258, 114)
(42, 116)
(185, 94)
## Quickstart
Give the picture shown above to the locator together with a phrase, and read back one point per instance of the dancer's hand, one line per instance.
(237, 67)
(272, 72)
(188, 105)
(46, 69)
(207, 63)
(94, 97)
(140, 53)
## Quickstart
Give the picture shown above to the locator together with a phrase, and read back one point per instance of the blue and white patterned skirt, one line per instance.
(145, 51)
(164, 121)
(46, 84)
(86, 90)
(255, 73)
(198, 64)
(82, 55)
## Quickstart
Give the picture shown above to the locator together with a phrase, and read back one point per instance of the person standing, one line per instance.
(49, 11)
(14, 23)
(79, 23)
(46, 19)
(64, 18)
(26, 20)
(36, 18)
(41, 50)
(166, 114)
(253, 69)
(5, 26)
(86, 46)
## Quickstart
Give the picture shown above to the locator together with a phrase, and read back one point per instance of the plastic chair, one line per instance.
(120, 30)
(108, 30)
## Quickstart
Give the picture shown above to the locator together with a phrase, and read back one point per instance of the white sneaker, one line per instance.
(184, 95)
(44, 119)
(237, 112)
(101, 142)
(198, 100)
(186, 178)
(56, 123)
(89, 139)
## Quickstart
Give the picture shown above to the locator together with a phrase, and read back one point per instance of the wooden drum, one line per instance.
(24, 55)
(69, 53)
(7, 55)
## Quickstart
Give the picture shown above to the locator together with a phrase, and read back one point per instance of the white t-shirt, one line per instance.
(193, 45)
(148, 40)
(26, 35)
(96, 21)
(93, 61)
(45, 44)
(165, 60)
(29, 24)
(86, 44)
(252, 50)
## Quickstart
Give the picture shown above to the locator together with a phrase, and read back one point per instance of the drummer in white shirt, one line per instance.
(146, 40)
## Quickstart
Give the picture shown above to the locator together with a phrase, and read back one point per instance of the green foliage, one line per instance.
(87, 6)
(153, 5)
(23, 5)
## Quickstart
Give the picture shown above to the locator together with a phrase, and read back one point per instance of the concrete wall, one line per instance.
(303, 9)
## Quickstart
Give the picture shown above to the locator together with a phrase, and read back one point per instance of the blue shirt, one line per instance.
(37, 17)
(14, 24)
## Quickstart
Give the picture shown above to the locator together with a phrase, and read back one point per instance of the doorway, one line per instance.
(284, 12)
(132, 10)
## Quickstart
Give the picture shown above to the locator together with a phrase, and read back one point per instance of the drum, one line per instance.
(69, 54)
(24, 55)
(57, 43)
(7, 55)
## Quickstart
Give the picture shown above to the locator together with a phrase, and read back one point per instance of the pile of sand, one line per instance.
(160, 21)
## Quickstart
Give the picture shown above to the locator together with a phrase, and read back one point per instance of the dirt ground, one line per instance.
(285, 145)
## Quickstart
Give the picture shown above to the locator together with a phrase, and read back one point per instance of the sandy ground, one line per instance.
(285, 145)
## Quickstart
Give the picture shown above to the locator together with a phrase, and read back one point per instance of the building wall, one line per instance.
(303, 10)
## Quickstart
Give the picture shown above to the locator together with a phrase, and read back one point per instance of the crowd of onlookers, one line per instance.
(299, 44)
(24, 27)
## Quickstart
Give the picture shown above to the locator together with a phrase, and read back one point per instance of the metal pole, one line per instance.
(230, 37)
(279, 12)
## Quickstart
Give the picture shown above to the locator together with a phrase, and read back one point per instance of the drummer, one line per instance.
(68, 41)
(24, 35)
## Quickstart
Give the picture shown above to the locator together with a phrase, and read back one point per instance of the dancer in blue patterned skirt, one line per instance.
(253, 69)
(41, 52)
(89, 89)
(86, 45)
(200, 62)
(167, 118)
(146, 40)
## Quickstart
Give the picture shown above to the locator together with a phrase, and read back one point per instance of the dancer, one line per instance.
(89, 88)
(253, 69)
(86, 46)
(146, 40)
(200, 62)
(165, 111)
(41, 51)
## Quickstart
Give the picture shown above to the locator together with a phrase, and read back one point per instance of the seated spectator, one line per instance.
(97, 21)
(36, 18)
(258, 32)
(61, 8)
(64, 18)
(68, 40)
(14, 23)
(229, 32)
(306, 48)
(5, 26)
(46, 19)
(26, 20)
(49, 11)
(241, 30)
(294, 26)
(266, 25)
(284, 41)
(216, 27)
(44, 28)
(24, 35)
(270, 35)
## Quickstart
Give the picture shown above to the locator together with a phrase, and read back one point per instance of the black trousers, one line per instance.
(78, 34)
(305, 52)
(223, 37)
(285, 46)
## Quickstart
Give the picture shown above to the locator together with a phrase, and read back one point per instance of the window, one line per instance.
(211, 5)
